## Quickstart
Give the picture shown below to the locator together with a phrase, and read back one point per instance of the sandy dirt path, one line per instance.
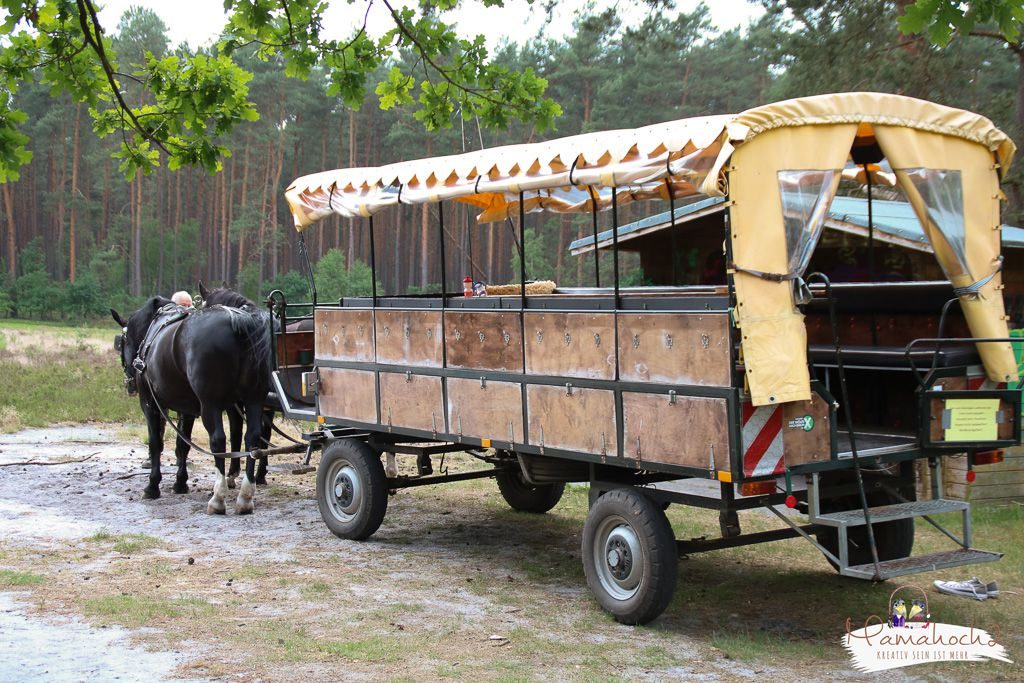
(453, 585)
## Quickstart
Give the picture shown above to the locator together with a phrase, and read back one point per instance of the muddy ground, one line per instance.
(453, 586)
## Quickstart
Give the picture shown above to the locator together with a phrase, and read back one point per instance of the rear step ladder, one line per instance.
(844, 520)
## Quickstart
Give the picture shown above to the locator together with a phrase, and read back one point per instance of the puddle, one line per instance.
(19, 520)
(77, 433)
(34, 649)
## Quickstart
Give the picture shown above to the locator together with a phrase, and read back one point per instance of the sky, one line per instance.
(198, 22)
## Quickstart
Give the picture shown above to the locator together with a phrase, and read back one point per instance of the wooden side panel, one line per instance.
(411, 401)
(692, 432)
(492, 410)
(345, 335)
(484, 340)
(348, 394)
(675, 348)
(571, 344)
(806, 431)
(581, 421)
(409, 338)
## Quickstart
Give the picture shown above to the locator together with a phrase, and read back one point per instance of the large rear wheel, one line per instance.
(629, 556)
(894, 540)
(351, 489)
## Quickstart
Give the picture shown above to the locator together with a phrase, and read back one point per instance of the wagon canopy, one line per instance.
(574, 174)
(779, 165)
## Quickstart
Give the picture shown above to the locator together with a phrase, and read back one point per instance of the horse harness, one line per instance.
(170, 314)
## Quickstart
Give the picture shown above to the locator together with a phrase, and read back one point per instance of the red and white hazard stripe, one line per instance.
(762, 441)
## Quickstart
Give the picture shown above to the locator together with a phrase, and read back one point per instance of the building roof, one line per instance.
(894, 222)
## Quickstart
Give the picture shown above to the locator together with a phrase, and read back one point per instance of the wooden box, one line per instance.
(484, 340)
(348, 394)
(344, 334)
(690, 430)
(409, 338)
(572, 418)
(411, 401)
(675, 348)
(570, 344)
(486, 409)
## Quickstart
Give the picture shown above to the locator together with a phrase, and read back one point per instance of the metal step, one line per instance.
(921, 563)
(889, 513)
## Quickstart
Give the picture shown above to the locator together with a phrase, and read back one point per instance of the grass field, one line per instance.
(55, 374)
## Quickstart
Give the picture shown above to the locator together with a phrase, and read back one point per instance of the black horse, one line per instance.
(198, 363)
(222, 296)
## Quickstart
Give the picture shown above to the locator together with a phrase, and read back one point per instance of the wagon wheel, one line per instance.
(351, 489)
(894, 540)
(526, 497)
(629, 556)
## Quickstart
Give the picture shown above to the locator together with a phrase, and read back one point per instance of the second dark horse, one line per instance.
(198, 363)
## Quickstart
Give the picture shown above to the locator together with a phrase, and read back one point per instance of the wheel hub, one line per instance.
(618, 556)
(347, 491)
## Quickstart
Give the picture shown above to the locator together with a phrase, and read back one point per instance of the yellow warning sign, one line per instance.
(971, 419)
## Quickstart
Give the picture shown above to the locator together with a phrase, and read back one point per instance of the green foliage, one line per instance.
(177, 107)
(940, 20)
(538, 264)
(334, 281)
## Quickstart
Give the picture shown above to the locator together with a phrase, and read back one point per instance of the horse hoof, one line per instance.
(231, 482)
(151, 493)
(244, 509)
(261, 481)
(214, 509)
(181, 488)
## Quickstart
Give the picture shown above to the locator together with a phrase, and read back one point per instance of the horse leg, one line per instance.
(181, 449)
(214, 423)
(261, 467)
(235, 427)
(253, 428)
(155, 423)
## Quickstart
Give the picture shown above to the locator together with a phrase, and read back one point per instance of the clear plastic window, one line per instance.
(806, 196)
(943, 197)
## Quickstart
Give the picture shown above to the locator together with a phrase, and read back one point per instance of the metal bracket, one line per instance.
(568, 389)
(671, 397)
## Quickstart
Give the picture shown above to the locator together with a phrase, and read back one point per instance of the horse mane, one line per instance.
(222, 296)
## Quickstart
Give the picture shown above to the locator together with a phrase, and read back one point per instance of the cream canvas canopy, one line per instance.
(743, 157)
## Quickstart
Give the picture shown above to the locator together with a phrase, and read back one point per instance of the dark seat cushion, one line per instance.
(895, 356)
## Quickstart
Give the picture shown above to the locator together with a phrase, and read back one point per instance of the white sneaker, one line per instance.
(972, 588)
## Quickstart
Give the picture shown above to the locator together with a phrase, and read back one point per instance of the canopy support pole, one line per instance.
(440, 234)
(615, 243)
(373, 266)
(672, 229)
(597, 252)
(309, 268)
(871, 253)
(522, 255)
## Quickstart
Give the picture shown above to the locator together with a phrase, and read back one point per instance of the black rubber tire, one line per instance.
(351, 489)
(527, 497)
(634, 528)
(894, 540)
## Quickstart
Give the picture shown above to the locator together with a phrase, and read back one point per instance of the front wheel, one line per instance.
(527, 497)
(351, 489)
(629, 556)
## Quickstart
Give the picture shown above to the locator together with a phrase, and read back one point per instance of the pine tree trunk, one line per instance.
(72, 225)
(244, 205)
(12, 237)
(273, 196)
(137, 242)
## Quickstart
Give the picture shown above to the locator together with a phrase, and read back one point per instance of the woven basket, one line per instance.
(540, 287)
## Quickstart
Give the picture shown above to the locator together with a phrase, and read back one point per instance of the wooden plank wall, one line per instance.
(1001, 481)
(672, 349)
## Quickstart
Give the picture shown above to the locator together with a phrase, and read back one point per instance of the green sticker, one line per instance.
(808, 423)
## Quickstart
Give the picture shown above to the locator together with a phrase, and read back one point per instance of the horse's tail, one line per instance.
(254, 328)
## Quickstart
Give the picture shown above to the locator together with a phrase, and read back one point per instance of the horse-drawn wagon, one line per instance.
(763, 388)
